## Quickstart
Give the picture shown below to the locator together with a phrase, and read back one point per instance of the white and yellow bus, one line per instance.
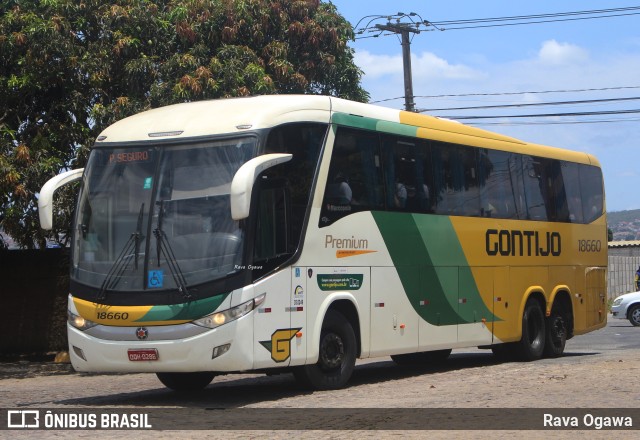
(303, 232)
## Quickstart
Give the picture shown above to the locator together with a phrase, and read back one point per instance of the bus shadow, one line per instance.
(233, 393)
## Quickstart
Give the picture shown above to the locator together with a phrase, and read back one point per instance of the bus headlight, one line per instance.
(219, 318)
(79, 322)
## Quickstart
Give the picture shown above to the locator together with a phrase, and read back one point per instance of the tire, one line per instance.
(634, 315)
(531, 345)
(423, 357)
(337, 357)
(186, 382)
(555, 335)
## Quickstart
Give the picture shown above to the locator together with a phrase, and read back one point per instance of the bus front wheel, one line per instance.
(186, 382)
(337, 355)
(531, 346)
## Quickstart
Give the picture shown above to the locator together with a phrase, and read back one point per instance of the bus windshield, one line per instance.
(158, 217)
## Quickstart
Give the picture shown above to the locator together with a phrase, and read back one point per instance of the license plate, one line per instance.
(147, 354)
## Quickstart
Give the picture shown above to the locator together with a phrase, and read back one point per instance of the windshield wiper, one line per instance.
(122, 262)
(164, 247)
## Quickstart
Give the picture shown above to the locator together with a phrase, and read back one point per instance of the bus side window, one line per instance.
(571, 179)
(535, 188)
(592, 192)
(456, 180)
(407, 179)
(354, 183)
(497, 198)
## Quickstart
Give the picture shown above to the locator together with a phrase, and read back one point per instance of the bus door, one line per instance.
(273, 329)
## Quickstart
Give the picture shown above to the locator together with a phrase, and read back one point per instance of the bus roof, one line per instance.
(236, 115)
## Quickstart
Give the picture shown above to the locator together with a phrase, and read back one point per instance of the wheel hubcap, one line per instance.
(331, 351)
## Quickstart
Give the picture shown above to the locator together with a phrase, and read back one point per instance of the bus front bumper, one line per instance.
(225, 348)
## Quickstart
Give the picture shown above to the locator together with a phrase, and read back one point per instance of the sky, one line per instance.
(601, 53)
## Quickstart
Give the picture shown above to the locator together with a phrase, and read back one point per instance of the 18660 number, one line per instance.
(112, 315)
(589, 245)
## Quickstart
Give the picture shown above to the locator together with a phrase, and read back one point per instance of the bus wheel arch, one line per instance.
(339, 346)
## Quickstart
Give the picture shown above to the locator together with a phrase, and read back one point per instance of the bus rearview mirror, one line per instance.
(45, 199)
(243, 180)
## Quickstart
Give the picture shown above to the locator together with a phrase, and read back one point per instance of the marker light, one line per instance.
(219, 318)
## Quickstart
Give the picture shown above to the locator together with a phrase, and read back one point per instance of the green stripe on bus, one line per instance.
(375, 124)
(432, 267)
(185, 311)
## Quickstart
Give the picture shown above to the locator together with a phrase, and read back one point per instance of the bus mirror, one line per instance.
(242, 183)
(45, 199)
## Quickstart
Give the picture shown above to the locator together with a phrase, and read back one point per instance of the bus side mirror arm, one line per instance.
(45, 199)
(243, 180)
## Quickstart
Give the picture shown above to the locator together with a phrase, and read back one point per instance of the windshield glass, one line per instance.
(159, 217)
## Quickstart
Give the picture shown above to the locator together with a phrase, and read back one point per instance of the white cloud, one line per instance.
(553, 52)
(423, 65)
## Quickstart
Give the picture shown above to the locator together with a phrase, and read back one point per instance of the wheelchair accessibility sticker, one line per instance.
(155, 279)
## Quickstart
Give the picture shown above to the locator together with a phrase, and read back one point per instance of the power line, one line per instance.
(426, 25)
(547, 115)
(531, 104)
(521, 123)
(461, 95)
(535, 19)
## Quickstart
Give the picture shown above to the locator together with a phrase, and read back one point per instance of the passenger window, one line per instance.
(571, 178)
(354, 183)
(456, 180)
(497, 198)
(535, 188)
(592, 193)
(407, 174)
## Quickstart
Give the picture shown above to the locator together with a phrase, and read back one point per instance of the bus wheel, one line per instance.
(531, 346)
(423, 357)
(634, 315)
(186, 382)
(556, 335)
(337, 356)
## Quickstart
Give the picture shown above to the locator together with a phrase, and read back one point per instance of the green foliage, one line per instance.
(69, 68)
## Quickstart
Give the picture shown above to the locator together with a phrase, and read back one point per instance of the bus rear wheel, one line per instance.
(556, 335)
(186, 382)
(531, 346)
(337, 357)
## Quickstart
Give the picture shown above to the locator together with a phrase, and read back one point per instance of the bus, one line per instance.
(300, 233)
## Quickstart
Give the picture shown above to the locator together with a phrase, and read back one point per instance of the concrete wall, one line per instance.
(622, 270)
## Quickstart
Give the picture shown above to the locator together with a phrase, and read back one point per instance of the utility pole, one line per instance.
(404, 29)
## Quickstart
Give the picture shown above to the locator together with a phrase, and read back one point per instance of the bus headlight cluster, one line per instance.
(79, 322)
(219, 318)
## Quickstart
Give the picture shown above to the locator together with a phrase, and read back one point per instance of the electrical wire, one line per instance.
(461, 95)
(531, 104)
(547, 115)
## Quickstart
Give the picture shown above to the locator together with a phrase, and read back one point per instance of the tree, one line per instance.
(69, 68)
